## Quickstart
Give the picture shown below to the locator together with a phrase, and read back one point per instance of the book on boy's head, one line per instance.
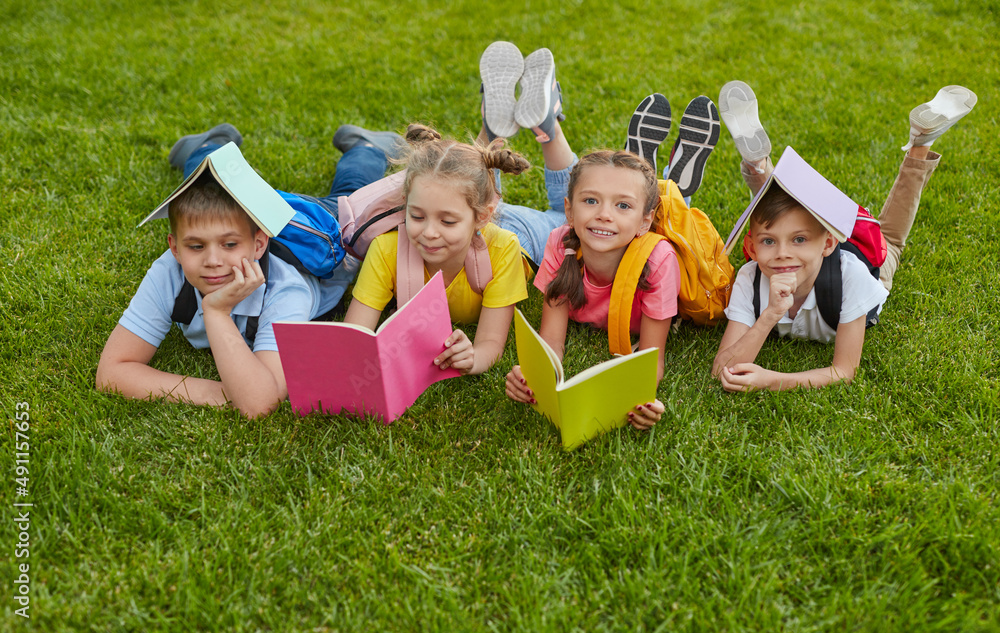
(832, 207)
(228, 167)
(335, 367)
(594, 401)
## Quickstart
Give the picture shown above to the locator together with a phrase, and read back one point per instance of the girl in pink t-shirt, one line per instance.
(611, 200)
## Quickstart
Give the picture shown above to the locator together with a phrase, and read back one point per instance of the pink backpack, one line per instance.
(379, 208)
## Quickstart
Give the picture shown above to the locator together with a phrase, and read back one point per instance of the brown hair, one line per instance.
(206, 201)
(568, 283)
(468, 166)
(775, 203)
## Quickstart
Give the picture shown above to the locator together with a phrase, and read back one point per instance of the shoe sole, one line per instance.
(699, 133)
(500, 68)
(950, 104)
(648, 127)
(537, 86)
(187, 144)
(738, 108)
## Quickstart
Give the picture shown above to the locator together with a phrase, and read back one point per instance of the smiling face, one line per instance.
(794, 243)
(607, 209)
(208, 249)
(440, 223)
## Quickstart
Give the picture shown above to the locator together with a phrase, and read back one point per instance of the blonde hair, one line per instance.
(467, 166)
(568, 282)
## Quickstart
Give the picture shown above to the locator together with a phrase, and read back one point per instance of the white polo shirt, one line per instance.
(862, 292)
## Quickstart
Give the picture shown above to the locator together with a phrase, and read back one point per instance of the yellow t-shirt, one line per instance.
(376, 284)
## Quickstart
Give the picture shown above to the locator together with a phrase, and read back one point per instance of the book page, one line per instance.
(161, 210)
(541, 374)
(330, 367)
(267, 208)
(829, 205)
(409, 341)
(599, 399)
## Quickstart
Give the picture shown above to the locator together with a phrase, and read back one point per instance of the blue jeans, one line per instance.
(532, 227)
(359, 166)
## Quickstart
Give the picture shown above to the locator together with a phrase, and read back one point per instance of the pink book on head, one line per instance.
(335, 367)
(832, 207)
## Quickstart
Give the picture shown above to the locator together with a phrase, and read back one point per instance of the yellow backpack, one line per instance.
(706, 274)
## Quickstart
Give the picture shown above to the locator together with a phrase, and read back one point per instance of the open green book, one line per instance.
(228, 167)
(594, 401)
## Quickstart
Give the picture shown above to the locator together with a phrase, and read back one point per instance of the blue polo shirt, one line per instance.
(287, 296)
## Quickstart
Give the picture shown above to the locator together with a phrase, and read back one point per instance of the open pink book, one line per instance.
(335, 367)
(832, 207)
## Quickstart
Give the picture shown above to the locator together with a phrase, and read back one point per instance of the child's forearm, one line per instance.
(746, 346)
(811, 379)
(141, 382)
(247, 382)
(487, 353)
(124, 369)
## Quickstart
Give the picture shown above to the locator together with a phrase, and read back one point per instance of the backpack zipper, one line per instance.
(308, 229)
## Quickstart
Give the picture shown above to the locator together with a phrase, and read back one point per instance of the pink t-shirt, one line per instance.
(659, 302)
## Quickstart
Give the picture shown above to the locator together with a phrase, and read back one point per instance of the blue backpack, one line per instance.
(311, 239)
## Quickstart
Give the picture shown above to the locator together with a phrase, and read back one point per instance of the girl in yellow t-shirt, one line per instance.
(451, 194)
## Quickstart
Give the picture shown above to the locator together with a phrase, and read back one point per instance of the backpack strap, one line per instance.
(410, 267)
(829, 288)
(623, 291)
(253, 321)
(756, 293)
(478, 267)
(186, 303)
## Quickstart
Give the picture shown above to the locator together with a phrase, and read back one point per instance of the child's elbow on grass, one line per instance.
(104, 381)
(258, 405)
(254, 412)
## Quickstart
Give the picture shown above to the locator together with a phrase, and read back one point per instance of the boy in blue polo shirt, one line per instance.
(216, 246)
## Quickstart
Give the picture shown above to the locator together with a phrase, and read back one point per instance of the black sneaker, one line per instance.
(699, 132)
(185, 146)
(648, 127)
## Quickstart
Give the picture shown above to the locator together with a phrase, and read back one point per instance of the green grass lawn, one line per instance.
(872, 507)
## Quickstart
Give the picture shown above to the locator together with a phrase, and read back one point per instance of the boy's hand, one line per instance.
(246, 279)
(645, 416)
(782, 293)
(746, 377)
(517, 388)
(459, 353)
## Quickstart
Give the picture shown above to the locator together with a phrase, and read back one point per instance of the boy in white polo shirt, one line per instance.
(788, 245)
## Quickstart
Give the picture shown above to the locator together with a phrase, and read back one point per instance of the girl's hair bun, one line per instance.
(418, 134)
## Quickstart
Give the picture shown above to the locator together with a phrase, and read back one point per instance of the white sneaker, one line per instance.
(930, 120)
(500, 68)
(738, 109)
(540, 104)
